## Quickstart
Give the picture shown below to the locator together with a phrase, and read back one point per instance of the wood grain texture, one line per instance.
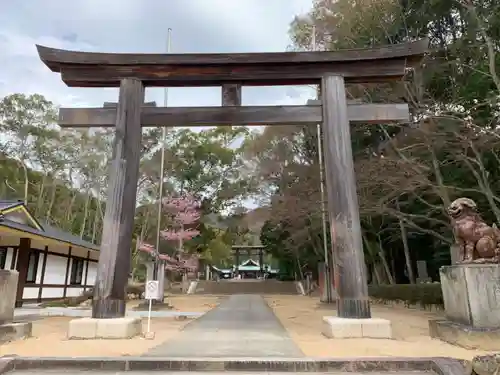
(237, 257)
(231, 95)
(23, 258)
(55, 58)
(86, 270)
(114, 257)
(67, 275)
(244, 74)
(250, 115)
(42, 277)
(343, 208)
(86, 69)
(115, 104)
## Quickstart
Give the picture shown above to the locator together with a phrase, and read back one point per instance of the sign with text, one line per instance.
(152, 289)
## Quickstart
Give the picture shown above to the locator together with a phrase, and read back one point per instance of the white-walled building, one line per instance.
(52, 264)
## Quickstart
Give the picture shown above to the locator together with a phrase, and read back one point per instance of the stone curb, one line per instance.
(439, 366)
(86, 313)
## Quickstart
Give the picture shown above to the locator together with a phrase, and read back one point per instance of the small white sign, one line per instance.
(152, 289)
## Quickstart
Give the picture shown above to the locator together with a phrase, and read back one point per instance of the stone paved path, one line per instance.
(241, 326)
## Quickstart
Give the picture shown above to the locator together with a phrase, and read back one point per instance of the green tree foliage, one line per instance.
(205, 164)
(38, 165)
(63, 175)
(406, 175)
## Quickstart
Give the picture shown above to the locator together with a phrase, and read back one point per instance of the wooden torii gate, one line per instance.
(133, 72)
(251, 250)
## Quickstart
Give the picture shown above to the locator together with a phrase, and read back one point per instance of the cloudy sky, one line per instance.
(141, 26)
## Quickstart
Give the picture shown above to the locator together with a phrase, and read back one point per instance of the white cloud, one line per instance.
(292, 95)
(139, 26)
(22, 71)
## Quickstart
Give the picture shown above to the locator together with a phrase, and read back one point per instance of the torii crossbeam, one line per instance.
(133, 72)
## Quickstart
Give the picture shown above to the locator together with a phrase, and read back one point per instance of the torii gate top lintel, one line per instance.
(133, 72)
(92, 69)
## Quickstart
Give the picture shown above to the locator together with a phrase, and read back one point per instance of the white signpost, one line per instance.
(151, 292)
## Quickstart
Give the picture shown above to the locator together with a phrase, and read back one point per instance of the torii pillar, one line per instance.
(353, 305)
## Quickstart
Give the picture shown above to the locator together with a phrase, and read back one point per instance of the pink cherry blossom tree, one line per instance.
(184, 212)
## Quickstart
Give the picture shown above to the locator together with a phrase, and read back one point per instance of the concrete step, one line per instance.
(236, 366)
(261, 287)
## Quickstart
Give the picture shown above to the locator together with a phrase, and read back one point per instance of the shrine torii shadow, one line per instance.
(331, 70)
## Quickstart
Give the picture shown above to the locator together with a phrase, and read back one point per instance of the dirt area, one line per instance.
(302, 317)
(186, 303)
(49, 334)
(193, 303)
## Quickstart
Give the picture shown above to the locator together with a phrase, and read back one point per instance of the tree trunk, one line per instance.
(376, 274)
(95, 221)
(39, 203)
(369, 248)
(443, 192)
(406, 249)
(70, 208)
(52, 200)
(299, 266)
(85, 213)
(385, 264)
(26, 181)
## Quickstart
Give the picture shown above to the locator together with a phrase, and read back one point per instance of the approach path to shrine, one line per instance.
(241, 326)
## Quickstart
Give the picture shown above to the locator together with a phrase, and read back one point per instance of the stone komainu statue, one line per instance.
(476, 240)
(484, 365)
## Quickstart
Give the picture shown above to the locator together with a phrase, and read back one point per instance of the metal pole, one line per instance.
(329, 294)
(149, 314)
(162, 167)
(313, 38)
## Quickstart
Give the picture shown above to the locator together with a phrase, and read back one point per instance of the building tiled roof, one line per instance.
(5, 204)
(47, 231)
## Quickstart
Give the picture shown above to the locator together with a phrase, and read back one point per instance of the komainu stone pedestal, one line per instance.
(10, 330)
(343, 328)
(471, 295)
(91, 328)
